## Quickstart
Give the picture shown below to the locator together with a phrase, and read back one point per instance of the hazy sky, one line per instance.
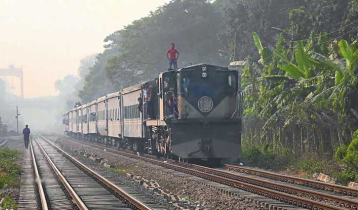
(47, 38)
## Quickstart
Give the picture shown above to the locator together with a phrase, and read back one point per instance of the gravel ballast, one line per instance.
(179, 192)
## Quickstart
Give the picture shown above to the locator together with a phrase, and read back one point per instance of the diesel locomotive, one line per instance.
(192, 113)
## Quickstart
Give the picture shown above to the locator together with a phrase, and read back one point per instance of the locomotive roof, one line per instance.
(202, 64)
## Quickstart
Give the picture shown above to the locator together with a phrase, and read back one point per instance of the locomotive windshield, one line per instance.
(194, 82)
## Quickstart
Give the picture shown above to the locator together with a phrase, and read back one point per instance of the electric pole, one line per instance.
(17, 119)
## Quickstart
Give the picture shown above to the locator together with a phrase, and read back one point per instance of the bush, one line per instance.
(348, 156)
(311, 164)
(340, 153)
(9, 203)
(9, 170)
(265, 158)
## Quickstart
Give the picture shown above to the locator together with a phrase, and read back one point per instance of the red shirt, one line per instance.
(172, 54)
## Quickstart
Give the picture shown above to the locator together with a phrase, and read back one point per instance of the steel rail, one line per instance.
(296, 180)
(3, 143)
(290, 198)
(76, 199)
(43, 199)
(138, 204)
(344, 202)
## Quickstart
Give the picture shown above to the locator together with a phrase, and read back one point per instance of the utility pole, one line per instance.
(17, 119)
(289, 34)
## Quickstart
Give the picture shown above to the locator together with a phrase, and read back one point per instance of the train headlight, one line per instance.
(204, 75)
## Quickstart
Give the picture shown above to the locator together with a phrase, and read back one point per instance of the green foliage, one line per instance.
(138, 52)
(348, 156)
(310, 165)
(9, 169)
(264, 157)
(264, 53)
(340, 153)
(9, 203)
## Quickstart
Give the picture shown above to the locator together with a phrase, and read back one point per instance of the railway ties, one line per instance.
(288, 193)
(338, 189)
(64, 184)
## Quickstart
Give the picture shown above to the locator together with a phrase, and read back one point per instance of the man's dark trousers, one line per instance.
(27, 139)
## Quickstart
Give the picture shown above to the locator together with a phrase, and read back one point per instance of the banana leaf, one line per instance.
(293, 70)
(264, 53)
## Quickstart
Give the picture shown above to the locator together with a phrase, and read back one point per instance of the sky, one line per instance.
(48, 38)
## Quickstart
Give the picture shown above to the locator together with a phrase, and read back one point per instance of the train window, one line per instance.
(185, 85)
(166, 83)
(232, 81)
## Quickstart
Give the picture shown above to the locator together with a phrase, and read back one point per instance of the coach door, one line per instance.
(167, 90)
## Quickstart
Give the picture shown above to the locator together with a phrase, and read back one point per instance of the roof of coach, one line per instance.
(101, 99)
(85, 105)
(113, 95)
(131, 89)
(92, 102)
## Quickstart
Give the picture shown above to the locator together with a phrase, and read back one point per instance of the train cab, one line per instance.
(198, 108)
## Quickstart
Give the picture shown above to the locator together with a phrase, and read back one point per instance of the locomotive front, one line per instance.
(208, 125)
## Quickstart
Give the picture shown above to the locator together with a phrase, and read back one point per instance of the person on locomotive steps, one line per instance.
(26, 133)
(173, 108)
(150, 100)
(140, 105)
(172, 57)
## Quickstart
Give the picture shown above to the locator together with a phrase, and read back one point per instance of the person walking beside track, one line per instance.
(26, 133)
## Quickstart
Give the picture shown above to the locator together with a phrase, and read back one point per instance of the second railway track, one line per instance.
(62, 182)
(295, 180)
(295, 195)
(3, 143)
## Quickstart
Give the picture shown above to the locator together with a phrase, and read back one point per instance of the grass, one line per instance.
(10, 171)
(8, 203)
(303, 166)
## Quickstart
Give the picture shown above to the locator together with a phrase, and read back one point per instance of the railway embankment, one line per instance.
(341, 166)
(11, 155)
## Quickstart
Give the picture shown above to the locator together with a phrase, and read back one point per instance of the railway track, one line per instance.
(295, 180)
(3, 143)
(291, 194)
(62, 182)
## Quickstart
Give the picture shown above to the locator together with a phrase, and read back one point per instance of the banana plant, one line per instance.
(304, 64)
(350, 55)
(264, 53)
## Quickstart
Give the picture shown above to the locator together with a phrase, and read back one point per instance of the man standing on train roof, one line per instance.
(26, 133)
(172, 57)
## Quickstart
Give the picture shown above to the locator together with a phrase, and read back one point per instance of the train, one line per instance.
(190, 113)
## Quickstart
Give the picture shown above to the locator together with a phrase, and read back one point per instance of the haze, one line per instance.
(47, 38)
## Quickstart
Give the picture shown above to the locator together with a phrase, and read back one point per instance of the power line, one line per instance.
(354, 29)
(331, 32)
